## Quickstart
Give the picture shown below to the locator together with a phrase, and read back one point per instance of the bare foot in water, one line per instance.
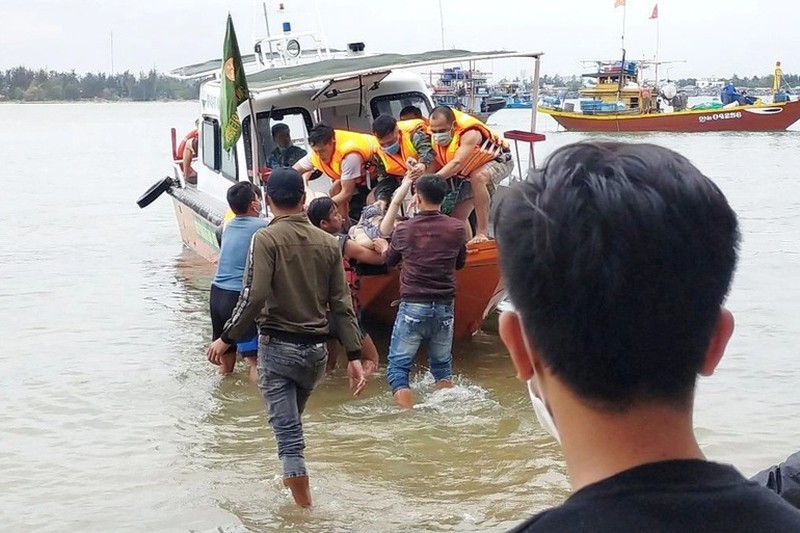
(404, 399)
(443, 384)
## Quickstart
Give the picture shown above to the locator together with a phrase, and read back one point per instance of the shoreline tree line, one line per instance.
(29, 85)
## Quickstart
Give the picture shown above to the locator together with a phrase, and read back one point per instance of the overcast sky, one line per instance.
(714, 38)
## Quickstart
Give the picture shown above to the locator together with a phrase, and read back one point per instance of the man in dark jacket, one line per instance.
(294, 274)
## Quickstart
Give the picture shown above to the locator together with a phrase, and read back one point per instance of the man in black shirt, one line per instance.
(618, 258)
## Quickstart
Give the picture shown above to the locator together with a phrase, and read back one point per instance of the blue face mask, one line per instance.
(392, 149)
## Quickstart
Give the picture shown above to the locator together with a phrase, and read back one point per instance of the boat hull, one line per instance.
(775, 117)
(479, 287)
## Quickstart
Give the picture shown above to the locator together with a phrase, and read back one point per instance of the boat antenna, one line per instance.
(441, 22)
(266, 22)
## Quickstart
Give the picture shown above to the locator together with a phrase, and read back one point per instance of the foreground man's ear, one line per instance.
(513, 336)
(719, 341)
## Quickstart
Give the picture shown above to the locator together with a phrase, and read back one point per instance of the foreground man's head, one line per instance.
(617, 258)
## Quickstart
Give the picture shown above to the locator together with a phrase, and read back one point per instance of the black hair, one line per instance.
(431, 188)
(279, 127)
(383, 125)
(445, 112)
(617, 258)
(240, 195)
(410, 111)
(321, 133)
(320, 209)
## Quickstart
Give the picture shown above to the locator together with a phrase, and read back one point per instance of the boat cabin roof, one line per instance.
(321, 71)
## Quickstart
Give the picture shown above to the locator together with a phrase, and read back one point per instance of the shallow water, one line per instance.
(113, 420)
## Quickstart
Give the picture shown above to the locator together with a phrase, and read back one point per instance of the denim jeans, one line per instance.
(287, 373)
(431, 323)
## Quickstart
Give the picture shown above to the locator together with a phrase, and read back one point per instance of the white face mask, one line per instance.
(542, 413)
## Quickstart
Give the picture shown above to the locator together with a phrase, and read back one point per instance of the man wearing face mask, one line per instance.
(404, 147)
(617, 259)
(285, 154)
(477, 157)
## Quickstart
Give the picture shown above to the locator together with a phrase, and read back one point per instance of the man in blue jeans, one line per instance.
(432, 246)
(294, 275)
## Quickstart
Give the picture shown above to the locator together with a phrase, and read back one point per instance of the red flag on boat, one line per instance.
(655, 12)
(618, 3)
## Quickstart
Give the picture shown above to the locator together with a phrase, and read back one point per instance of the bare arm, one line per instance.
(469, 141)
(393, 253)
(353, 250)
(387, 224)
(347, 191)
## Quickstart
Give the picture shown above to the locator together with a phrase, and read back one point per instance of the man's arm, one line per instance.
(394, 254)
(303, 166)
(353, 250)
(422, 144)
(387, 224)
(256, 284)
(341, 305)
(461, 258)
(469, 141)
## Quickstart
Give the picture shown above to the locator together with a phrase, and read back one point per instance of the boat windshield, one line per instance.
(297, 119)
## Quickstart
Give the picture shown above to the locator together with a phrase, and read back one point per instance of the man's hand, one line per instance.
(381, 245)
(416, 170)
(216, 350)
(357, 377)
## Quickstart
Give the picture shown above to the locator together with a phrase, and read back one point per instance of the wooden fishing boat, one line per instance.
(618, 102)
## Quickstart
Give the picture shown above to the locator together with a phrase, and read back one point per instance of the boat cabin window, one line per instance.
(214, 157)
(346, 117)
(392, 104)
(297, 118)
(210, 133)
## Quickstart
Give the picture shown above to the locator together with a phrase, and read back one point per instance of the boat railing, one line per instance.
(527, 137)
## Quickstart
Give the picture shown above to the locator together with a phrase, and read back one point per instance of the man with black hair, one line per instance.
(404, 147)
(410, 112)
(432, 246)
(617, 259)
(294, 276)
(348, 158)
(323, 213)
(475, 157)
(244, 200)
(285, 154)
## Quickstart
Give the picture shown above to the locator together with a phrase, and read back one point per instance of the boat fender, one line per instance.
(157, 189)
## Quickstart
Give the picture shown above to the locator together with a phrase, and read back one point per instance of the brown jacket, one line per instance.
(293, 276)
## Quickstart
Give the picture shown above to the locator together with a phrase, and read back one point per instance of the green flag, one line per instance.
(233, 90)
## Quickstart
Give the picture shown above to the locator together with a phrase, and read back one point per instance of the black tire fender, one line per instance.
(158, 188)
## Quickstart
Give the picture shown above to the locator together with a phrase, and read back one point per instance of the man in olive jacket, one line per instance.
(293, 275)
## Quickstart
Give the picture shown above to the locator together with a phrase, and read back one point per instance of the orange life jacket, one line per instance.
(396, 164)
(344, 143)
(491, 147)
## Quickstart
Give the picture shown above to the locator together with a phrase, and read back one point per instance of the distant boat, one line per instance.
(618, 102)
(468, 91)
(519, 102)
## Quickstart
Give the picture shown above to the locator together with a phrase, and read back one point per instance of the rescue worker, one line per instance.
(349, 159)
(478, 157)
(400, 144)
